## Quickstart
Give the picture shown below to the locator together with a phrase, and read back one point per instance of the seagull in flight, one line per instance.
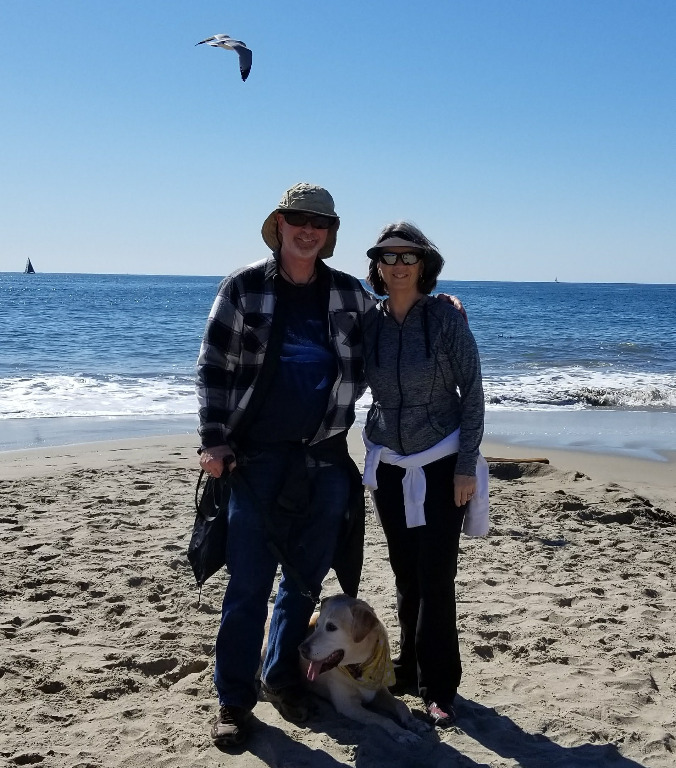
(227, 42)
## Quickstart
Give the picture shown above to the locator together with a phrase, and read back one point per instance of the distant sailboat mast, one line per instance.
(29, 268)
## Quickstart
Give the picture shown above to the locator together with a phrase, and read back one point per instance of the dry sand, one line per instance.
(566, 614)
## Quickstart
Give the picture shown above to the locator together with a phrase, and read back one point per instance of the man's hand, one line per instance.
(465, 488)
(215, 460)
(455, 301)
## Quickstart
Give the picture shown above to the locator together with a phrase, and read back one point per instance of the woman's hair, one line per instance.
(432, 260)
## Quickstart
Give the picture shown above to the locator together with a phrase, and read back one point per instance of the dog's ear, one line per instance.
(363, 621)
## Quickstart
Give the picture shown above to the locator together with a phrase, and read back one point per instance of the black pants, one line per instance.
(425, 562)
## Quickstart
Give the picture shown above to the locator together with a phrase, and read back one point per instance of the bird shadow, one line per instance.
(504, 737)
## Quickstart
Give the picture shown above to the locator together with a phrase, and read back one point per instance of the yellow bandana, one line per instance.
(378, 671)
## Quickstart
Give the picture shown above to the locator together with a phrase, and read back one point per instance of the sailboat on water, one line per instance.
(29, 268)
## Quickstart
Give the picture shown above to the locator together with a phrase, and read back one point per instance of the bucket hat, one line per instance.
(304, 198)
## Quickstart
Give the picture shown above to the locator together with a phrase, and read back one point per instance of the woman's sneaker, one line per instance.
(441, 715)
(230, 729)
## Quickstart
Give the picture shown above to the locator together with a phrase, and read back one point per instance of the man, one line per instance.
(279, 371)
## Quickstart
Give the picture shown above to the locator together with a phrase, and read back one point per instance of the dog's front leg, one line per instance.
(351, 706)
(386, 701)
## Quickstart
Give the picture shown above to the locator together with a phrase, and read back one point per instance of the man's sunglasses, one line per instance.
(316, 221)
(406, 258)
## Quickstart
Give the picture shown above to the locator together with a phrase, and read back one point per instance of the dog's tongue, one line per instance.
(314, 670)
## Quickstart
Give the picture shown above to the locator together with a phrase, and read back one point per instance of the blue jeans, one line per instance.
(308, 540)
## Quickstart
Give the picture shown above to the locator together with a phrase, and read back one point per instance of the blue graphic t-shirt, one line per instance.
(299, 391)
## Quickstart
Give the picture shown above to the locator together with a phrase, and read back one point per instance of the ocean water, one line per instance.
(87, 357)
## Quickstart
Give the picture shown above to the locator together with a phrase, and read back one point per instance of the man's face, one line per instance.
(300, 242)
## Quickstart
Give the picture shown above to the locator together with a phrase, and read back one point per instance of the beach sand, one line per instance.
(566, 613)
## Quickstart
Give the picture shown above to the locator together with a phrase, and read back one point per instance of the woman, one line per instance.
(422, 435)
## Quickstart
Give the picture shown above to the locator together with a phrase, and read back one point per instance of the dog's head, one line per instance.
(344, 633)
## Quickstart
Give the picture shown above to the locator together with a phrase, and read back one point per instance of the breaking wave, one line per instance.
(579, 388)
(45, 396)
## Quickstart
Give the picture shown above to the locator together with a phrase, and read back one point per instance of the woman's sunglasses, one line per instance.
(316, 221)
(406, 258)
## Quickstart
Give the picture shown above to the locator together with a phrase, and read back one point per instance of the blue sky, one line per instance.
(530, 139)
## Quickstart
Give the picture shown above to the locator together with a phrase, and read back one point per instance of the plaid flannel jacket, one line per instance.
(235, 341)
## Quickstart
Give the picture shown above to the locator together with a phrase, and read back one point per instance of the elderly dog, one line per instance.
(347, 660)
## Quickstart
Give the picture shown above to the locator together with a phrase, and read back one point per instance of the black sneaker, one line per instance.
(441, 715)
(230, 729)
(292, 702)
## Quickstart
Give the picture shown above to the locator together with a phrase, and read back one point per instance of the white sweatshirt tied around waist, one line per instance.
(414, 482)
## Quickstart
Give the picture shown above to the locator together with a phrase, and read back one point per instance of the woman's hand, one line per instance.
(465, 488)
(215, 460)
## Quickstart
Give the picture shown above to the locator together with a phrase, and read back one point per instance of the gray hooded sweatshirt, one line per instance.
(425, 378)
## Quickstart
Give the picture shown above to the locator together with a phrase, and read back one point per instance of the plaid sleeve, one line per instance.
(217, 364)
(232, 351)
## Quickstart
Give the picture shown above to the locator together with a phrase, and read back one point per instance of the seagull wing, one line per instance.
(245, 57)
(215, 40)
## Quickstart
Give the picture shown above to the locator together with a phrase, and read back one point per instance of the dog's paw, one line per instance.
(419, 727)
(406, 737)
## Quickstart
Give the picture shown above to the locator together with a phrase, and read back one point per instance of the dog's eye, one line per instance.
(330, 627)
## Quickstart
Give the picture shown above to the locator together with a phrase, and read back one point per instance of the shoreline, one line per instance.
(42, 433)
(47, 460)
(643, 435)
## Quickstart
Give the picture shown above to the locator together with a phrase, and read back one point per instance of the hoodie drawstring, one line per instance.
(376, 351)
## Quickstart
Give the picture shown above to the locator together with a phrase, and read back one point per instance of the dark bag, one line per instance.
(207, 548)
(206, 551)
